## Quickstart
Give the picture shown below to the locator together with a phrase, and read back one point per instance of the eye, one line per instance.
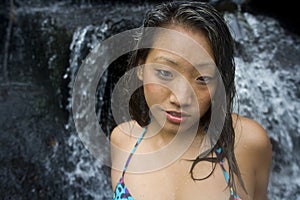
(204, 80)
(164, 74)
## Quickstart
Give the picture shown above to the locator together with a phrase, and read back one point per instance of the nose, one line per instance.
(182, 93)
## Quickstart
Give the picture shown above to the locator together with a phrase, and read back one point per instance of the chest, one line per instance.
(175, 182)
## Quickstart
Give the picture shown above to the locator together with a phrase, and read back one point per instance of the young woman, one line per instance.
(187, 91)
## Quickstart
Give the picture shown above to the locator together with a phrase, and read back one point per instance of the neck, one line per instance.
(159, 137)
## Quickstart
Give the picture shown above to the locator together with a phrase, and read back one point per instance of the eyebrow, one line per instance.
(169, 60)
(174, 62)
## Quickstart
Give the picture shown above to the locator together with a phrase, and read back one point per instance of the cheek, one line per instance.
(204, 100)
(153, 92)
(151, 88)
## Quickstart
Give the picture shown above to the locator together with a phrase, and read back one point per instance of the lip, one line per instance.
(176, 117)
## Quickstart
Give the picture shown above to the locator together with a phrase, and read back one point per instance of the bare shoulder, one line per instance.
(253, 151)
(252, 140)
(124, 135)
(122, 140)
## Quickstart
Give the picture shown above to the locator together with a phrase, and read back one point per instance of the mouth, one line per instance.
(176, 117)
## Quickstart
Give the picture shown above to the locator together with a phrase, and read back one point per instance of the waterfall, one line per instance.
(268, 81)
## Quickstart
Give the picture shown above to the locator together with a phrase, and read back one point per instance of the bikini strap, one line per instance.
(218, 152)
(133, 150)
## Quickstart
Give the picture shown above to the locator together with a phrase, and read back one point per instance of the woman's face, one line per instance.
(179, 81)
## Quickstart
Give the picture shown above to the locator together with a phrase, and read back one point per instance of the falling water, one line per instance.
(268, 80)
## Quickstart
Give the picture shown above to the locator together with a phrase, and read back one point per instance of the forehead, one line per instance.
(191, 45)
(179, 63)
